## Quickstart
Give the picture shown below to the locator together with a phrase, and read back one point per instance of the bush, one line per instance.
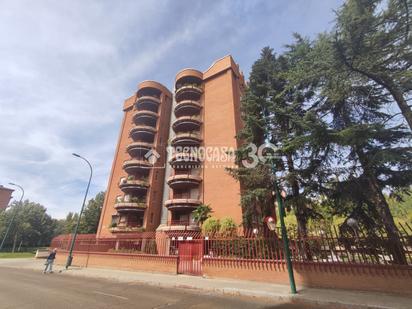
(211, 226)
(228, 227)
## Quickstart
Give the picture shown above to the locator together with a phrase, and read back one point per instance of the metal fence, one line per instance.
(246, 248)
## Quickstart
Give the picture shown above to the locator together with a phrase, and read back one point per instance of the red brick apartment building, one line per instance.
(153, 189)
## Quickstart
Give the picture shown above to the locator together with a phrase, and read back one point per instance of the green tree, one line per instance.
(70, 222)
(364, 151)
(257, 200)
(373, 39)
(31, 227)
(89, 221)
(274, 111)
(91, 215)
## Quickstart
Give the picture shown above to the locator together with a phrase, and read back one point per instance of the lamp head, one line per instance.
(76, 155)
(11, 183)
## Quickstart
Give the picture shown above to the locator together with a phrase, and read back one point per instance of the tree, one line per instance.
(257, 200)
(286, 120)
(31, 227)
(377, 45)
(364, 151)
(274, 110)
(91, 215)
(89, 221)
(70, 222)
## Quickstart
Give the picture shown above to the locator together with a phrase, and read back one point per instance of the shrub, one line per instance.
(211, 226)
(202, 213)
(228, 227)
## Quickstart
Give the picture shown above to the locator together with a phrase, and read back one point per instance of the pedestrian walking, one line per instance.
(50, 261)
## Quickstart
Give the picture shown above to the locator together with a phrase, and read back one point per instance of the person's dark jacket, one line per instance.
(52, 256)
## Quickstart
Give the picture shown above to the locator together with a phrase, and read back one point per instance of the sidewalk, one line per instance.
(311, 296)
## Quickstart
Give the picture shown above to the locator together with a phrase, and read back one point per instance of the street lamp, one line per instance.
(70, 257)
(14, 214)
(285, 238)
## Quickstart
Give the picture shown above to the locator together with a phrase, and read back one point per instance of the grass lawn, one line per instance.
(9, 255)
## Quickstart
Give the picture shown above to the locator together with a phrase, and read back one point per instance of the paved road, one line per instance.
(21, 288)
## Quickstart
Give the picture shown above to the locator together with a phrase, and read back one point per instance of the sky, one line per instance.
(67, 66)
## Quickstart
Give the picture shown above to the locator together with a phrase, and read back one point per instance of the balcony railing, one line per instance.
(132, 185)
(123, 229)
(148, 98)
(183, 181)
(135, 165)
(185, 222)
(187, 138)
(184, 159)
(187, 123)
(188, 92)
(138, 148)
(187, 107)
(130, 206)
(148, 103)
(182, 203)
(145, 116)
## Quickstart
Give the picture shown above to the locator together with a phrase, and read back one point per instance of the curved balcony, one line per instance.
(188, 92)
(130, 207)
(179, 226)
(132, 166)
(187, 139)
(182, 204)
(149, 103)
(130, 186)
(151, 87)
(187, 123)
(123, 229)
(183, 181)
(187, 76)
(143, 133)
(138, 149)
(187, 108)
(184, 159)
(145, 117)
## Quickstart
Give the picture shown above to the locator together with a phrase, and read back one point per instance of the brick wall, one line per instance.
(121, 261)
(390, 280)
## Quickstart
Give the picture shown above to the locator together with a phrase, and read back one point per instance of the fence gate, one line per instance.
(190, 257)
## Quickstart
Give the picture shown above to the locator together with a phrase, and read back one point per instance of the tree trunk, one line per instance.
(377, 198)
(394, 242)
(400, 100)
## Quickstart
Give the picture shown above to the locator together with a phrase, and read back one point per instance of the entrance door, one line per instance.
(190, 257)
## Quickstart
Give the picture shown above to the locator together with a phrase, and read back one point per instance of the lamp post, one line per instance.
(284, 233)
(70, 257)
(14, 214)
(282, 214)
